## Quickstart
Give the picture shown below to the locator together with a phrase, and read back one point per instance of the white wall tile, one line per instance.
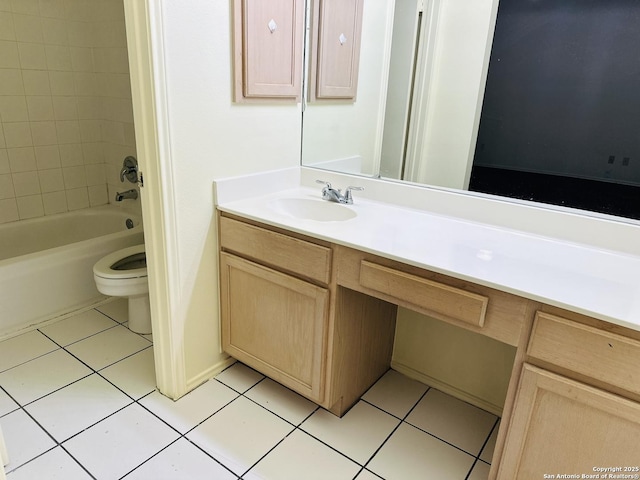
(51, 180)
(84, 83)
(7, 30)
(54, 202)
(36, 82)
(11, 82)
(28, 27)
(65, 108)
(68, 131)
(81, 59)
(26, 183)
(91, 130)
(71, 155)
(93, 152)
(58, 58)
(13, 108)
(22, 159)
(77, 198)
(9, 54)
(17, 134)
(4, 161)
(47, 156)
(98, 195)
(52, 8)
(74, 177)
(95, 174)
(32, 56)
(54, 31)
(44, 133)
(40, 108)
(28, 7)
(8, 210)
(6, 187)
(62, 83)
(30, 206)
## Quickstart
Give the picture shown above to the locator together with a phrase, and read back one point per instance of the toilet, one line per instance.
(124, 274)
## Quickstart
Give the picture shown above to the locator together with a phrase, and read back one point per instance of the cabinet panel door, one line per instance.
(275, 323)
(336, 48)
(560, 426)
(268, 43)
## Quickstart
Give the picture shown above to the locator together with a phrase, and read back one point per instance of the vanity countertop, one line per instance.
(595, 281)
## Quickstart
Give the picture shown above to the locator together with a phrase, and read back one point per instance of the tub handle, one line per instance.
(129, 169)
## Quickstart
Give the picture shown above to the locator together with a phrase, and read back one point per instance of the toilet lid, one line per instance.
(103, 269)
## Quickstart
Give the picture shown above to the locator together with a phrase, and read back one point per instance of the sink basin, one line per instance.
(309, 209)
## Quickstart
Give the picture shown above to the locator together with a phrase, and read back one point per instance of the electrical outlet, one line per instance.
(625, 161)
(612, 158)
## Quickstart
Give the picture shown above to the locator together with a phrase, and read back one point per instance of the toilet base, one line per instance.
(139, 314)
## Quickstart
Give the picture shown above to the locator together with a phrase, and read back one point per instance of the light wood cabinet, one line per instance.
(577, 402)
(335, 49)
(284, 315)
(276, 323)
(561, 426)
(268, 49)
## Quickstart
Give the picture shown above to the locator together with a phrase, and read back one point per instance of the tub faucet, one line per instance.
(132, 194)
(335, 195)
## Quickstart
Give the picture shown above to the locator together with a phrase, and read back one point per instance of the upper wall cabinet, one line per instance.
(335, 49)
(268, 49)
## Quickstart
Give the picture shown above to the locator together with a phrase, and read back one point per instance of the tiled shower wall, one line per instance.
(66, 119)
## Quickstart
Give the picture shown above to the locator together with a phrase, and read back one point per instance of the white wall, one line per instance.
(209, 137)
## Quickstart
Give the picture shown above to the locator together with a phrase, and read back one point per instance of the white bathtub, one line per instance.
(46, 263)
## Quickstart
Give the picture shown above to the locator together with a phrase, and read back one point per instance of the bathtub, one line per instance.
(46, 263)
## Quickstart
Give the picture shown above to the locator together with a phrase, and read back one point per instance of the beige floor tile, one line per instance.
(77, 327)
(190, 410)
(301, 456)
(487, 451)
(240, 434)
(367, 475)
(480, 471)
(23, 438)
(106, 348)
(457, 422)
(358, 434)
(56, 464)
(42, 375)
(281, 401)
(23, 348)
(6, 404)
(411, 453)
(395, 393)
(77, 406)
(135, 375)
(181, 461)
(118, 444)
(239, 377)
(117, 310)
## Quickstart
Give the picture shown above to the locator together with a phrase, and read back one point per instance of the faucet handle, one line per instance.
(348, 197)
(325, 183)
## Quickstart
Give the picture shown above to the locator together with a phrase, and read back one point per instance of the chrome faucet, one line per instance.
(335, 195)
(132, 194)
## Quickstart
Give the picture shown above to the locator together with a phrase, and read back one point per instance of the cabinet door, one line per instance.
(275, 323)
(560, 426)
(335, 55)
(268, 44)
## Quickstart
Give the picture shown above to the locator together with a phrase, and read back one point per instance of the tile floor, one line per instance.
(78, 401)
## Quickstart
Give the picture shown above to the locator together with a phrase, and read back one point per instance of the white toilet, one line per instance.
(124, 274)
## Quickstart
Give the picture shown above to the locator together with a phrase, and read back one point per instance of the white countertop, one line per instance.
(592, 280)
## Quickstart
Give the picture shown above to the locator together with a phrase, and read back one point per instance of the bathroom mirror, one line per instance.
(421, 104)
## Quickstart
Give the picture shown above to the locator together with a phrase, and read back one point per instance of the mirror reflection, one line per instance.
(556, 124)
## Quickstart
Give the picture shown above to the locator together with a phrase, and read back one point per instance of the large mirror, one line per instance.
(558, 122)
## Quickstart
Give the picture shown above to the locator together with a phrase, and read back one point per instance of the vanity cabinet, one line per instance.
(577, 402)
(283, 315)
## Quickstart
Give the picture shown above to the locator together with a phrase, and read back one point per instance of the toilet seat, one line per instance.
(103, 268)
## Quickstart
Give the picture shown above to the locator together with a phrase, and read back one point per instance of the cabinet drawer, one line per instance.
(603, 356)
(290, 254)
(436, 297)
